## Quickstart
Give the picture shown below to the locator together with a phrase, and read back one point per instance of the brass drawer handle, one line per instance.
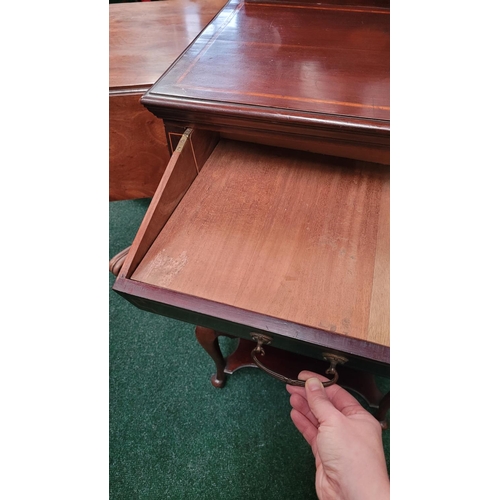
(265, 340)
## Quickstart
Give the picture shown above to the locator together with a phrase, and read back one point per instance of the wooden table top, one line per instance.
(145, 38)
(327, 60)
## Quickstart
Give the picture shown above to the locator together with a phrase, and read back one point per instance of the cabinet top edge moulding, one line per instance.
(311, 75)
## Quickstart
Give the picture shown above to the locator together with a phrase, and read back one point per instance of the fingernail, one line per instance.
(313, 384)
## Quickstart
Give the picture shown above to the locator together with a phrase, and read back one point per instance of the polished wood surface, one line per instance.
(282, 233)
(137, 152)
(324, 59)
(315, 71)
(144, 40)
(363, 355)
(208, 339)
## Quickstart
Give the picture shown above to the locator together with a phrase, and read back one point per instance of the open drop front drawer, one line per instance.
(246, 238)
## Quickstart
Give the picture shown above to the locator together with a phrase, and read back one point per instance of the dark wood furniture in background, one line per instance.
(144, 40)
(271, 222)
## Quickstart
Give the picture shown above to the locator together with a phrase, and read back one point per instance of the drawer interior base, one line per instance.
(292, 235)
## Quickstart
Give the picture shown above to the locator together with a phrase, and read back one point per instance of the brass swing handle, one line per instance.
(265, 340)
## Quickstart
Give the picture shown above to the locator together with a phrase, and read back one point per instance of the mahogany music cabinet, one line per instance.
(271, 222)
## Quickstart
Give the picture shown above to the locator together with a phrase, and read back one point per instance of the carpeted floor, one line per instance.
(172, 434)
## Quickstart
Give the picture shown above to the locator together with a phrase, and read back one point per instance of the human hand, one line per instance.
(346, 441)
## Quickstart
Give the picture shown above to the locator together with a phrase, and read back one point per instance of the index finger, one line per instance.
(339, 397)
(304, 375)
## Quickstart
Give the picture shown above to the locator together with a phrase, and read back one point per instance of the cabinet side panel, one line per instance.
(137, 149)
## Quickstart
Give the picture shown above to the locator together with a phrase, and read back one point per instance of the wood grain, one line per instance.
(144, 40)
(181, 171)
(363, 355)
(380, 306)
(341, 144)
(311, 70)
(345, 3)
(282, 233)
(137, 149)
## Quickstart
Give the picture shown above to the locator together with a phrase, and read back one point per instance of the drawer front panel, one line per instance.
(365, 356)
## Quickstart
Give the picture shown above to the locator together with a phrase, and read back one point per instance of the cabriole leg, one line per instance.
(208, 339)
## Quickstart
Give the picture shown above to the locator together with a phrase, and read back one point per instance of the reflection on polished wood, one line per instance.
(295, 71)
(144, 40)
(340, 64)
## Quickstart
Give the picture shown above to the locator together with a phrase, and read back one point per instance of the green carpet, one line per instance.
(172, 434)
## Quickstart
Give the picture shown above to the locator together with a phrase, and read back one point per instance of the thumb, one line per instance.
(318, 401)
